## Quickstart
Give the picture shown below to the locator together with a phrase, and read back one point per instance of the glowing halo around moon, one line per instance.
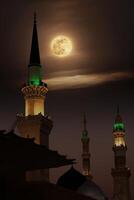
(61, 46)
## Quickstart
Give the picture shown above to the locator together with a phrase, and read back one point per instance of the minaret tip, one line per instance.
(85, 121)
(35, 54)
(85, 132)
(35, 16)
(118, 109)
(118, 118)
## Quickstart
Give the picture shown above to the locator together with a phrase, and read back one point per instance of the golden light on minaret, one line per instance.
(120, 172)
(61, 46)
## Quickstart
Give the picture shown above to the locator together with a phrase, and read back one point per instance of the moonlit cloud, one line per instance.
(86, 80)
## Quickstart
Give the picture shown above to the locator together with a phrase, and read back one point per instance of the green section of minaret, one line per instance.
(118, 125)
(34, 74)
(85, 135)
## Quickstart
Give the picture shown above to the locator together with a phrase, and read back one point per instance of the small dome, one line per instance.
(72, 179)
(91, 189)
(75, 181)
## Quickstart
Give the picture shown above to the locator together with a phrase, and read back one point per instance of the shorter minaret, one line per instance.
(120, 172)
(85, 151)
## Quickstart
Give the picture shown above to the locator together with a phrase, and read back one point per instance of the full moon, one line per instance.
(61, 46)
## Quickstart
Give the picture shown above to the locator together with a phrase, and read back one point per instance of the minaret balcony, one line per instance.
(34, 91)
(121, 172)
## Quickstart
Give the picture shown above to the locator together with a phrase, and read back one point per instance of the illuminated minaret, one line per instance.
(85, 151)
(35, 90)
(35, 123)
(120, 172)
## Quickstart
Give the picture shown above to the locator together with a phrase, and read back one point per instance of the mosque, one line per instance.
(35, 123)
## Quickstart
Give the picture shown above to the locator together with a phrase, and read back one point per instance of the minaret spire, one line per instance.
(85, 122)
(35, 17)
(35, 89)
(35, 55)
(118, 109)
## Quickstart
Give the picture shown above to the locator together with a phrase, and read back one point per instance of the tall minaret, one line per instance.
(85, 151)
(35, 123)
(120, 172)
(35, 90)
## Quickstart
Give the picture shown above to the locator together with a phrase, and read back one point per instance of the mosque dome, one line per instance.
(91, 189)
(75, 181)
(72, 179)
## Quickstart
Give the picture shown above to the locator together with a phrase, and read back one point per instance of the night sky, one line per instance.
(96, 77)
